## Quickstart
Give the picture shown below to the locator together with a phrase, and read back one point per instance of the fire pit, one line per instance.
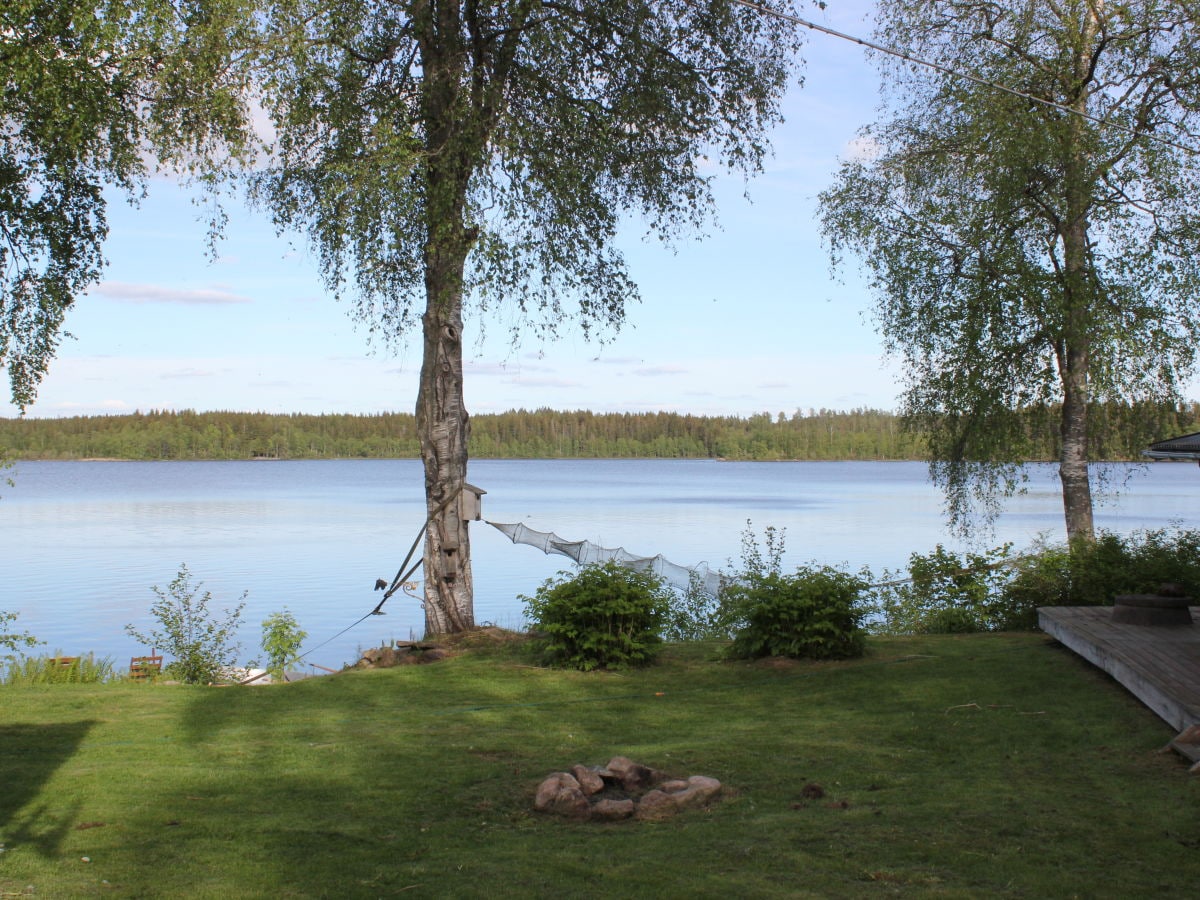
(1169, 607)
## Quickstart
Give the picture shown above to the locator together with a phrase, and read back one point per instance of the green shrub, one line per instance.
(944, 593)
(814, 614)
(694, 614)
(951, 620)
(13, 641)
(58, 669)
(762, 559)
(282, 637)
(1098, 569)
(601, 617)
(1162, 555)
(993, 591)
(1041, 577)
(200, 644)
(1092, 574)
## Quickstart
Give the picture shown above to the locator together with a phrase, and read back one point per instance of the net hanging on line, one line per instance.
(587, 553)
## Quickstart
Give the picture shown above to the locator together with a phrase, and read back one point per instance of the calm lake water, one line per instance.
(85, 541)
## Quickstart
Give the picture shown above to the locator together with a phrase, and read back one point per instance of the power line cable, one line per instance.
(954, 73)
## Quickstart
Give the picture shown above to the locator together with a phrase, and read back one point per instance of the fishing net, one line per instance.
(586, 553)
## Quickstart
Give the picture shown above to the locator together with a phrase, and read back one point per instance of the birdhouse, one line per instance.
(470, 503)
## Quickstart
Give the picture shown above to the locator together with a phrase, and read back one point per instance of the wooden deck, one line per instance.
(1158, 665)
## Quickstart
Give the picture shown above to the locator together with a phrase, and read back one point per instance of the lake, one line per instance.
(85, 541)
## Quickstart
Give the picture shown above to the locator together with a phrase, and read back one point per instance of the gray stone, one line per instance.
(587, 792)
(656, 805)
(589, 779)
(380, 657)
(613, 810)
(561, 795)
(700, 789)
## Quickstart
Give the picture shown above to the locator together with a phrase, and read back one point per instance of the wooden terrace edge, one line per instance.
(1160, 665)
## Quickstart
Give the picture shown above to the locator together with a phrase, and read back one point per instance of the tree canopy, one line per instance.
(1030, 247)
(93, 92)
(455, 155)
(532, 130)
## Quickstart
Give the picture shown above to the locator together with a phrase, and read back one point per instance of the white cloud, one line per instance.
(156, 293)
(490, 368)
(545, 382)
(188, 373)
(658, 371)
(67, 408)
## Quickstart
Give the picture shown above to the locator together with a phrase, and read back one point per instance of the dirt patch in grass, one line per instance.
(484, 638)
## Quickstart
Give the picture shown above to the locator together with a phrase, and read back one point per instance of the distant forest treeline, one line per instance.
(1121, 432)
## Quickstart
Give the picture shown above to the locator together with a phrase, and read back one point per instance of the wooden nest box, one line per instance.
(470, 503)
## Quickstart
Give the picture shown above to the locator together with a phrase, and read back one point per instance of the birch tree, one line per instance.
(95, 93)
(1037, 247)
(447, 156)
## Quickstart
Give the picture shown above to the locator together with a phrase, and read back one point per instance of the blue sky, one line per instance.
(746, 321)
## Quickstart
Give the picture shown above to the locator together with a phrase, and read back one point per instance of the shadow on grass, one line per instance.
(373, 783)
(421, 779)
(29, 757)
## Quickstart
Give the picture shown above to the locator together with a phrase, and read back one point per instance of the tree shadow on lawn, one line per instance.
(30, 754)
(372, 783)
(355, 783)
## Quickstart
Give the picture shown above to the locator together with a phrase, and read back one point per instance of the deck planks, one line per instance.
(1158, 665)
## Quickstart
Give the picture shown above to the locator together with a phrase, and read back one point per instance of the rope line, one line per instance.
(310, 650)
(397, 583)
(970, 571)
(966, 76)
(401, 575)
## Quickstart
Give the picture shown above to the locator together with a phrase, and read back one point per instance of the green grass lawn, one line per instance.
(952, 767)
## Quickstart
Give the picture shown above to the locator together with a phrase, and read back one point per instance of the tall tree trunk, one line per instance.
(444, 427)
(1073, 461)
(1074, 352)
(442, 421)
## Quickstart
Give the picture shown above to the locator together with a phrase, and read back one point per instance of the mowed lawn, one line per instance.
(950, 766)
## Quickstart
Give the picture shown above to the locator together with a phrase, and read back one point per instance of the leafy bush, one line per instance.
(58, 669)
(601, 617)
(994, 591)
(200, 644)
(761, 560)
(1158, 556)
(694, 614)
(1092, 574)
(813, 614)
(281, 641)
(944, 593)
(13, 641)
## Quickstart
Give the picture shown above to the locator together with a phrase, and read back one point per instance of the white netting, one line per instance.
(587, 553)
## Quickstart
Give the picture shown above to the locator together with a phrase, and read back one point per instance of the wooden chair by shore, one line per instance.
(143, 667)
